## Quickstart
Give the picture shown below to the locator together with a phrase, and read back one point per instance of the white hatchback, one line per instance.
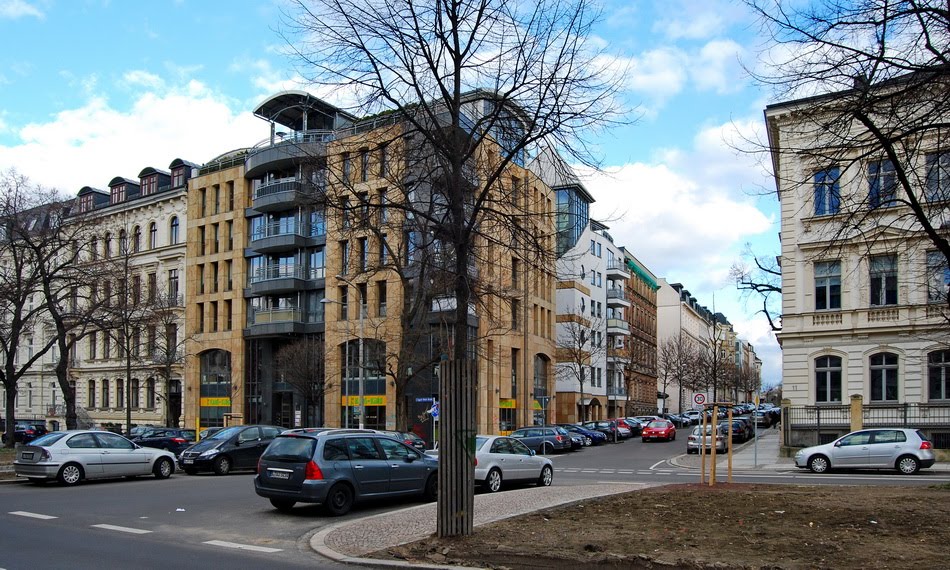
(906, 450)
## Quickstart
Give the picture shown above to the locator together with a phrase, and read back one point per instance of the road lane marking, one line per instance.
(121, 528)
(241, 546)
(32, 515)
(657, 463)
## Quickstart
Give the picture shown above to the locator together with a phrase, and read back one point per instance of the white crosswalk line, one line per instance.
(32, 515)
(241, 546)
(121, 528)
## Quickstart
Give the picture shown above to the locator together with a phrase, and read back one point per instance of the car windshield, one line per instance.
(659, 425)
(226, 433)
(291, 448)
(48, 439)
(480, 441)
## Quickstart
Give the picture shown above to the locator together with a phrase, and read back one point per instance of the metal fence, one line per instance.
(812, 425)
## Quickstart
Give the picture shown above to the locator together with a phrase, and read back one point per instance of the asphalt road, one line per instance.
(207, 521)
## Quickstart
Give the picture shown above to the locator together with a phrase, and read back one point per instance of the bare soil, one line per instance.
(726, 526)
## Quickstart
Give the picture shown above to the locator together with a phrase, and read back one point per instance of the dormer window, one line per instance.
(178, 177)
(85, 203)
(118, 194)
(149, 184)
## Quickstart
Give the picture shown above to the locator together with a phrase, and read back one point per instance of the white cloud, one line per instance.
(92, 143)
(657, 75)
(691, 20)
(14, 9)
(139, 78)
(717, 67)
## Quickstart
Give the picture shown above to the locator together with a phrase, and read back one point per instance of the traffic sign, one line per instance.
(434, 411)
(699, 399)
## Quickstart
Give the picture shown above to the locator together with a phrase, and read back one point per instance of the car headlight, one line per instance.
(209, 452)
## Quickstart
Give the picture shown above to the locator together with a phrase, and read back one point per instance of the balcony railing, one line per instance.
(618, 266)
(616, 293)
(277, 186)
(618, 324)
(276, 271)
(274, 229)
(266, 316)
(616, 390)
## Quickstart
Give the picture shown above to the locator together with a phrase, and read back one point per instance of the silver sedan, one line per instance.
(500, 459)
(71, 456)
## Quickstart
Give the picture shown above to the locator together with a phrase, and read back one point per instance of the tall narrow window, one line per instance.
(93, 345)
(515, 314)
(383, 250)
(361, 288)
(91, 394)
(884, 377)
(134, 393)
(105, 393)
(344, 257)
(173, 231)
(364, 164)
(882, 181)
(119, 393)
(344, 303)
(883, 273)
(364, 254)
(346, 168)
(515, 354)
(381, 298)
(938, 375)
(137, 239)
(938, 177)
(152, 235)
(173, 287)
(828, 379)
(383, 161)
(150, 393)
(827, 192)
(938, 277)
(827, 285)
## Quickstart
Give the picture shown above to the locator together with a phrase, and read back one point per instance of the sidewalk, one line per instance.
(349, 541)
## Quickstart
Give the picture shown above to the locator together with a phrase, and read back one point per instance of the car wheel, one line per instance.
(547, 476)
(818, 464)
(588, 441)
(163, 468)
(191, 471)
(643, 439)
(431, 491)
(908, 465)
(222, 465)
(339, 499)
(70, 474)
(545, 448)
(283, 505)
(673, 437)
(493, 481)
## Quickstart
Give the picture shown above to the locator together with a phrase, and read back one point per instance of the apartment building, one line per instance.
(303, 242)
(641, 351)
(592, 327)
(681, 318)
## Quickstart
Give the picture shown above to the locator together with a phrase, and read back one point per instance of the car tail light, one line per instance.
(179, 440)
(926, 445)
(258, 470)
(313, 472)
(476, 462)
(28, 432)
(559, 438)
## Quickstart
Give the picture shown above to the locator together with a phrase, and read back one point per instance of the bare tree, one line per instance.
(301, 364)
(580, 344)
(677, 364)
(877, 77)
(473, 86)
(28, 214)
(760, 276)
(165, 346)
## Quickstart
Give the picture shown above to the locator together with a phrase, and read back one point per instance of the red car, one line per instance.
(659, 429)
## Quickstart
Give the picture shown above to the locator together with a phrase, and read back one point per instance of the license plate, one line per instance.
(187, 461)
(279, 475)
(27, 455)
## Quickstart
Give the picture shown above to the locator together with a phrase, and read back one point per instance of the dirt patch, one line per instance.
(727, 526)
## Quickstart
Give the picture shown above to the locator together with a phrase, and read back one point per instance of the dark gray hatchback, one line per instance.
(336, 468)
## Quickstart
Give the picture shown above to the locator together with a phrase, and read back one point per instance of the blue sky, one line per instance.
(93, 89)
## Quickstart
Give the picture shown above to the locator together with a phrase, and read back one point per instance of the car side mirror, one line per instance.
(533, 452)
(837, 444)
(410, 458)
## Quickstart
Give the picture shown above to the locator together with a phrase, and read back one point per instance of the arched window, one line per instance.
(105, 393)
(91, 395)
(137, 239)
(123, 243)
(94, 248)
(152, 235)
(173, 231)
(150, 393)
(119, 393)
(828, 379)
(884, 377)
(134, 393)
(107, 246)
(938, 375)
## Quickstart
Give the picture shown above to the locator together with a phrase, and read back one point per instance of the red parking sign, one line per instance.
(699, 399)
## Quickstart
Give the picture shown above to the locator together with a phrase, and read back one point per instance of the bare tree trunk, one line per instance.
(456, 476)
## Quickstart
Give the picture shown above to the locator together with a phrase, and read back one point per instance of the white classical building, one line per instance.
(679, 316)
(146, 217)
(863, 292)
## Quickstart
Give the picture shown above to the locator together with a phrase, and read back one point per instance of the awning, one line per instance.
(589, 402)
